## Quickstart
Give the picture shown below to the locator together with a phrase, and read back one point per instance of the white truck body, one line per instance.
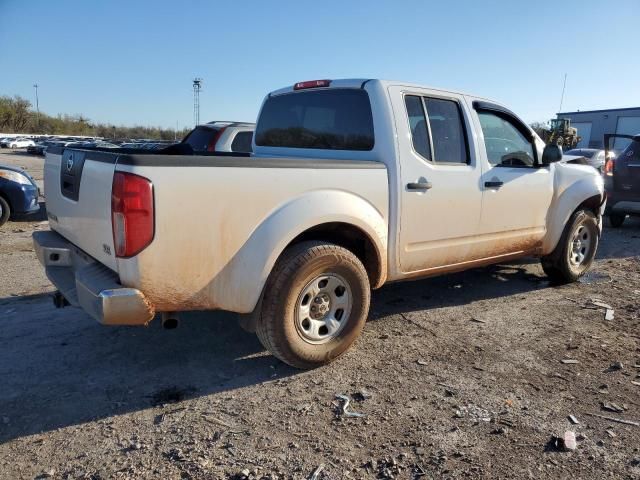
(221, 223)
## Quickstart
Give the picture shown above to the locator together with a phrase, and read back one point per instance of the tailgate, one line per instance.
(626, 175)
(78, 198)
(626, 166)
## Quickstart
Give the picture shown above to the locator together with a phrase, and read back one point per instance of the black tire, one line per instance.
(616, 219)
(279, 327)
(562, 265)
(5, 211)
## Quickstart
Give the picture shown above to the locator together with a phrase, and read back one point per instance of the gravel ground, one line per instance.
(457, 376)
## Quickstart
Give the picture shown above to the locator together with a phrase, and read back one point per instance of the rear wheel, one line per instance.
(5, 211)
(616, 219)
(576, 249)
(315, 304)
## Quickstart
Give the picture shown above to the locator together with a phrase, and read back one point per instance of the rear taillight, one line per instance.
(216, 136)
(608, 167)
(311, 84)
(132, 216)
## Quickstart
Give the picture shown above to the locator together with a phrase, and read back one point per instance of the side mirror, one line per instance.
(551, 153)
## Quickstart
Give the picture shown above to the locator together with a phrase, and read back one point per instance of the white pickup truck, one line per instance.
(352, 184)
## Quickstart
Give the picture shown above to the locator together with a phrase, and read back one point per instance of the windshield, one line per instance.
(333, 119)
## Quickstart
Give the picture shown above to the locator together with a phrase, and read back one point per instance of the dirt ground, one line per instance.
(460, 376)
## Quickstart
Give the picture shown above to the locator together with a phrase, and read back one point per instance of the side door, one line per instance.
(517, 189)
(439, 190)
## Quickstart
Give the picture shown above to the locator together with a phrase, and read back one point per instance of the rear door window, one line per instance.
(437, 129)
(331, 119)
(447, 131)
(418, 125)
(242, 142)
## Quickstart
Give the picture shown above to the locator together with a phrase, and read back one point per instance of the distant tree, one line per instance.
(17, 116)
(539, 127)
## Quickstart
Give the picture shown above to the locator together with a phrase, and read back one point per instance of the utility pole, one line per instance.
(35, 86)
(197, 86)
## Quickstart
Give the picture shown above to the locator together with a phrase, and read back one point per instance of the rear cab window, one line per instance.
(328, 119)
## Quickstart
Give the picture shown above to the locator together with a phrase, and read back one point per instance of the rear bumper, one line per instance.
(623, 203)
(90, 285)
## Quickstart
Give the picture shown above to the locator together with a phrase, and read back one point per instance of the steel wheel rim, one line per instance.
(580, 245)
(323, 308)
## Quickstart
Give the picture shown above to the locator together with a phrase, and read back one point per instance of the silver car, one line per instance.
(594, 156)
(221, 137)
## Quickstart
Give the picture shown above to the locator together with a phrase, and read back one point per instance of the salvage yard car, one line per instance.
(18, 193)
(352, 184)
(220, 136)
(622, 181)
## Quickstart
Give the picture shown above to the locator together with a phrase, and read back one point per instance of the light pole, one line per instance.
(35, 86)
(197, 86)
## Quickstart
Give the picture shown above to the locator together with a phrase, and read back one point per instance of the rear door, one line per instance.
(440, 197)
(78, 195)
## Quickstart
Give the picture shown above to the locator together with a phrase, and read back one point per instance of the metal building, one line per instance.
(593, 124)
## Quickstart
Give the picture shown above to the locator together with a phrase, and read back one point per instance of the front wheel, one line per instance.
(576, 249)
(315, 304)
(5, 211)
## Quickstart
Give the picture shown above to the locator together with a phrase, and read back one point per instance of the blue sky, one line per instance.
(132, 62)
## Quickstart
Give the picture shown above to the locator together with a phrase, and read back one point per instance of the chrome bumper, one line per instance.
(90, 285)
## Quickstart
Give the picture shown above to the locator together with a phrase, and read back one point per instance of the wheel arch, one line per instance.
(570, 201)
(336, 217)
(6, 198)
(354, 239)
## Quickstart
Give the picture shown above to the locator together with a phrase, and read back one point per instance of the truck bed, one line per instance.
(219, 219)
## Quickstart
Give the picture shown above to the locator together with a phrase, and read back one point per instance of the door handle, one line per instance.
(497, 184)
(419, 186)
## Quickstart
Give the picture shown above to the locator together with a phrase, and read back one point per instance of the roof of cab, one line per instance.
(360, 83)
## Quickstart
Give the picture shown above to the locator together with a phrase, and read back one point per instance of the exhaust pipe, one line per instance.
(59, 301)
(170, 320)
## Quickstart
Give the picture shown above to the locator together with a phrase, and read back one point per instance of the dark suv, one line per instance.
(622, 181)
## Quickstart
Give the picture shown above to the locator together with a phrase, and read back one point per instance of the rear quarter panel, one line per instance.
(219, 230)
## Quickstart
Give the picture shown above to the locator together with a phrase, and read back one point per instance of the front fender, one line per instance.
(573, 185)
(239, 285)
